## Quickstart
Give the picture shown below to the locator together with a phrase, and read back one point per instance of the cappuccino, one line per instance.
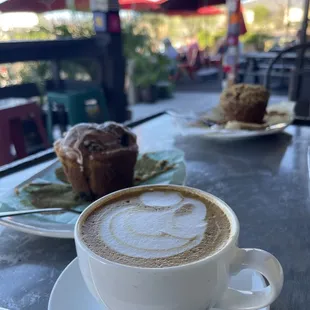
(156, 228)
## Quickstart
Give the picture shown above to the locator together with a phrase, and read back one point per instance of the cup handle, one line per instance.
(268, 266)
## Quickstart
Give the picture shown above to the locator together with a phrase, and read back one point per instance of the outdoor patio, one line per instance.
(117, 189)
(186, 103)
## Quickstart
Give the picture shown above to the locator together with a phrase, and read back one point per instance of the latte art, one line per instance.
(155, 229)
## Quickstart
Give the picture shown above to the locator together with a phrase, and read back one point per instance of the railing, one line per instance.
(106, 49)
(50, 50)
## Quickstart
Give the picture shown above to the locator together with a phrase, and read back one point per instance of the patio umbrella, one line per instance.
(192, 5)
(210, 10)
(305, 22)
(40, 6)
(32, 5)
(203, 11)
(140, 5)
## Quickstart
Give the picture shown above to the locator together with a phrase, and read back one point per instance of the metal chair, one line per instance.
(300, 80)
(295, 48)
(74, 103)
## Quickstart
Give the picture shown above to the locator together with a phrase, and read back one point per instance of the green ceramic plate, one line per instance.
(62, 225)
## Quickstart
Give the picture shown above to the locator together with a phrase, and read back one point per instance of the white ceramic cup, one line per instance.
(199, 285)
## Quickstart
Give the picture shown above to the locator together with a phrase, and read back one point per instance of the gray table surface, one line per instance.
(269, 55)
(265, 181)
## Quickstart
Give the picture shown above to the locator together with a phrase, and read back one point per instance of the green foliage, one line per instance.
(73, 30)
(35, 72)
(178, 28)
(136, 40)
(38, 72)
(257, 40)
(220, 34)
(33, 34)
(142, 34)
(140, 42)
(206, 38)
(261, 14)
(154, 24)
(149, 69)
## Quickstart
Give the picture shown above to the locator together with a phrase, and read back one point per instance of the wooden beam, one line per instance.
(26, 90)
(50, 50)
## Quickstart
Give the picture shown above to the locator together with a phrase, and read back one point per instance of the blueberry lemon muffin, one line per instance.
(245, 103)
(98, 159)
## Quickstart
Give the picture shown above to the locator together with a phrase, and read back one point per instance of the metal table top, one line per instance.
(269, 55)
(264, 180)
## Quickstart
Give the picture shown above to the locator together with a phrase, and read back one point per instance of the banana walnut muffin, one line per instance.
(98, 159)
(245, 103)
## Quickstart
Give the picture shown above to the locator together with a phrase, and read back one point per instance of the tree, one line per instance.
(261, 16)
(178, 28)
(77, 26)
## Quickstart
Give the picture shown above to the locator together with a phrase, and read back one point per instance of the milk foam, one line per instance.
(165, 224)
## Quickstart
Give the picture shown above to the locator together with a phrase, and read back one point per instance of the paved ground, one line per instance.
(213, 84)
(184, 102)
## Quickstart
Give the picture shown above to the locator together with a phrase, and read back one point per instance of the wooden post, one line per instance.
(299, 91)
(231, 58)
(305, 22)
(112, 78)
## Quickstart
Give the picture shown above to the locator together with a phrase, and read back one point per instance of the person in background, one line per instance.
(192, 53)
(276, 46)
(221, 46)
(192, 63)
(182, 54)
(171, 53)
(297, 39)
(205, 56)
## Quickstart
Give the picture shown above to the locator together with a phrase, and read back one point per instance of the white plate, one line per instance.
(70, 291)
(62, 225)
(221, 134)
(230, 135)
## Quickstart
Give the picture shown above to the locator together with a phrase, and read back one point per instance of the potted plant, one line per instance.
(256, 40)
(163, 84)
(149, 70)
(145, 79)
(136, 41)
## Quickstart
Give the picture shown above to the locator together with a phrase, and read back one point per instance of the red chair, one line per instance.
(12, 113)
(192, 64)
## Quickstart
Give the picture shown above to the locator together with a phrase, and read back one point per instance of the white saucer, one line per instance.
(70, 291)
